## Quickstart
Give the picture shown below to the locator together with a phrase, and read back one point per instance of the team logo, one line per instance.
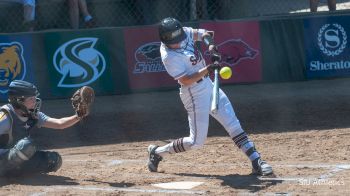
(332, 39)
(79, 62)
(197, 55)
(148, 59)
(12, 64)
(234, 51)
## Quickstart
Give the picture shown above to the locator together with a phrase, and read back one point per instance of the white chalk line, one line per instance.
(279, 179)
(113, 189)
(344, 166)
(334, 171)
(39, 194)
(112, 162)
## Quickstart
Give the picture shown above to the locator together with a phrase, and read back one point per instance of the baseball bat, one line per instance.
(215, 99)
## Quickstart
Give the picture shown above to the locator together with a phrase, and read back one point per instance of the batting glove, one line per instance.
(212, 67)
(215, 57)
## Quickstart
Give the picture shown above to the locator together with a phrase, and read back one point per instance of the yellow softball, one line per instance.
(225, 73)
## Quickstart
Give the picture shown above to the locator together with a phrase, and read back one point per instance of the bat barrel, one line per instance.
(215, 95)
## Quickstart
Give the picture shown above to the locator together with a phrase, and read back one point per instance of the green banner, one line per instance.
(78, 58)
(282, 43)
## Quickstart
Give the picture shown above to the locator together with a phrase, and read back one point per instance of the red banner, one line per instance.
(239, 45)
(145, 67)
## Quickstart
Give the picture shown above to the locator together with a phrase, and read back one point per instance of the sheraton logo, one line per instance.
(321, 66)
(332, 39)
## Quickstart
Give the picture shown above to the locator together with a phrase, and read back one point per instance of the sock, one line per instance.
(163, 150)
(176, 146)
(242, 141)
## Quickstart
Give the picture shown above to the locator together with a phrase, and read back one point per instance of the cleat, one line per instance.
(261, 168)
(153, 158)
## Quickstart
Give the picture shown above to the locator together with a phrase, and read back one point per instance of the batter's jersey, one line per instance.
(186, 60)
(15, 127)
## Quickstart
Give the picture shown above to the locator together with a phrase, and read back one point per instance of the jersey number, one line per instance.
(196, 58)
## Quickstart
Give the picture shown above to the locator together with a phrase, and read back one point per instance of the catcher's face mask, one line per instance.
(29, 102)
(33, 105)
(37, 107)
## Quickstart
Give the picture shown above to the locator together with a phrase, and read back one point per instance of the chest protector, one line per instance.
(18, 129)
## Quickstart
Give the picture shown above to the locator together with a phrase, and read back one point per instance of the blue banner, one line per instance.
(15, 61)
(326, 46)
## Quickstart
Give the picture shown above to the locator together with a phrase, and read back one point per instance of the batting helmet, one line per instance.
(171, 31)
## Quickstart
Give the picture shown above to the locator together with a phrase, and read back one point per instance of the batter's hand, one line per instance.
(215, 57)
(213, 49)
(213, 66)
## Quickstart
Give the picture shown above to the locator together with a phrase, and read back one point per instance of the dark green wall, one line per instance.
(282, 48)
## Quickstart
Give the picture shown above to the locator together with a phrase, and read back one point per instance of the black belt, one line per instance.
(200, 80)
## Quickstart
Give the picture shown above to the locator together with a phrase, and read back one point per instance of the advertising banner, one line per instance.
(145, 68)
(326, 46)
(78, 58)
(239, 45)
(15, 61)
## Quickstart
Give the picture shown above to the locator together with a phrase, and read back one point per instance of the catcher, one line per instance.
(18, 152)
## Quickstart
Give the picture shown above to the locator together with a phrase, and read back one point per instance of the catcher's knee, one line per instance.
(22, 151)
(54, 161)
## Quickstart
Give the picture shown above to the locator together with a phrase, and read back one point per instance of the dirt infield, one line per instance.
(301, 129)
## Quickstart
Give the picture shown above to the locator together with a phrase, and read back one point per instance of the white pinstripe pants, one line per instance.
(196, 99)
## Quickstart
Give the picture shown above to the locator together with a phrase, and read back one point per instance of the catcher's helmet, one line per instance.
(18, 91)
(22, 89)
(171, 31)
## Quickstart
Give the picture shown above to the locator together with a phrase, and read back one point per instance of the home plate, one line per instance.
(178, 185)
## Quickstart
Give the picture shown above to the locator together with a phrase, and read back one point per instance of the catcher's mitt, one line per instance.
(82, 100)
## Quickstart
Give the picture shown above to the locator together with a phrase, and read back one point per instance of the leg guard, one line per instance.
(54, 161)
(43, 162)
(22, 151)
(12, 161)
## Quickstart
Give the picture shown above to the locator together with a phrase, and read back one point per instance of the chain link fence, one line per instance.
(54, 14)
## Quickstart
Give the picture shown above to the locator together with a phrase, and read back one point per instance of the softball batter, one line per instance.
(184, 62)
